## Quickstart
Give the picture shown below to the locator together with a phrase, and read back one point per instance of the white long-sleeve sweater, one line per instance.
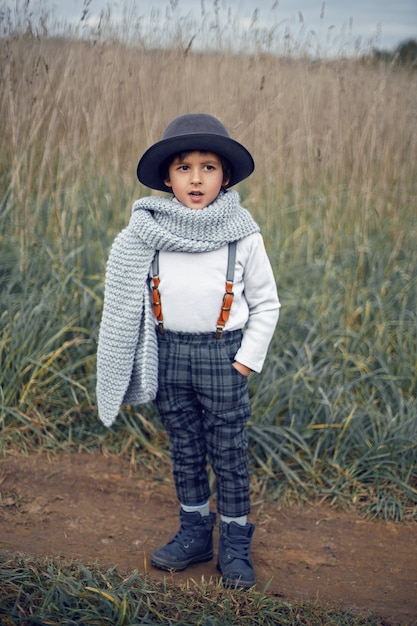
(192, 286)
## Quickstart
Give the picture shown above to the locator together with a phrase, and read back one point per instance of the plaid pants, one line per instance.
(203, 402)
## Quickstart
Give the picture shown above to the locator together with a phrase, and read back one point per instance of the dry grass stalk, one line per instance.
(71, 109)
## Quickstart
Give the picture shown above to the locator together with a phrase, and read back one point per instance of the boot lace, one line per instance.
(238, 548)
(186, 534)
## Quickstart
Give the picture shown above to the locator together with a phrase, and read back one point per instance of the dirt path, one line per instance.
(97, 509)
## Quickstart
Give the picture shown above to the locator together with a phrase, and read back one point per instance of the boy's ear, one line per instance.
(167, 182)
(225, 182)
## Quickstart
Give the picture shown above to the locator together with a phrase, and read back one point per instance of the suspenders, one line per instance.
(156, 296)
(228, 294)
(227, 298)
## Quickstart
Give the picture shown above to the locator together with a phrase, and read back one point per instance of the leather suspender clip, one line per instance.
(156, 303)
(225, 309)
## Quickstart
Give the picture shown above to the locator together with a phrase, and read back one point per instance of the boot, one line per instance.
(234, 560)
(193, 543)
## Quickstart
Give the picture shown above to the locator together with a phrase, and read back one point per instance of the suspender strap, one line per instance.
(228, 295)
(231, 260)
(227, 298)
(156, 296)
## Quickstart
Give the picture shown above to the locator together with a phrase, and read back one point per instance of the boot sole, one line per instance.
(181, 565)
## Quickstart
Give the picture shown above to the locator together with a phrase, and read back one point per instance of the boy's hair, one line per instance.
(164, 169)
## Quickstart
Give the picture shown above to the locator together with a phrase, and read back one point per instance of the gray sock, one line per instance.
(242, 520)
(203, 508)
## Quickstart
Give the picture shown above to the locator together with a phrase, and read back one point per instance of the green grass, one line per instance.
(335, 412)
(51, 593)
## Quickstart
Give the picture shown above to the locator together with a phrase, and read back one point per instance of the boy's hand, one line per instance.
(245, 371)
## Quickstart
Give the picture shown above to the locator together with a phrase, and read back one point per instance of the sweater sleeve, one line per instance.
(262, 298)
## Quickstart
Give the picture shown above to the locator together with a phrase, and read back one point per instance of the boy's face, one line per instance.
(196, 179)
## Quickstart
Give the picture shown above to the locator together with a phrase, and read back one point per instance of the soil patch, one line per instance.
(99, 510)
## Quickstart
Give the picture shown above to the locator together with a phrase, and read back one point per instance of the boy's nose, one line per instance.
(195, 176)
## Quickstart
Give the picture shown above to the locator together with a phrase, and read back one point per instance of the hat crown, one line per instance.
(195, 123)
(193, 131)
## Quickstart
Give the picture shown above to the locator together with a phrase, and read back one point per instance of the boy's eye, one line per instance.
(206, 167)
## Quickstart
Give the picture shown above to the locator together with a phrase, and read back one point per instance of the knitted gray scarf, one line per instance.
(127, 354)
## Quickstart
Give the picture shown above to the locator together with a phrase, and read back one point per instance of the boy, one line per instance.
(190, 354)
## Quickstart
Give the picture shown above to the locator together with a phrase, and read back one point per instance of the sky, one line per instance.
(382, 24)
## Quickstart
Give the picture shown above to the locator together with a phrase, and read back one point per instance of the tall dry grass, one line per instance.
(71, 108)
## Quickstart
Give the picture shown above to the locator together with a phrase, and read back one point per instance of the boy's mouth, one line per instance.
(195, 193)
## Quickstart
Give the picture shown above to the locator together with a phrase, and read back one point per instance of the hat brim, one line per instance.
(148, 170)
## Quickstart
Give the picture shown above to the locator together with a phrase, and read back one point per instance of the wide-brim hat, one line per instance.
(194, 131)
